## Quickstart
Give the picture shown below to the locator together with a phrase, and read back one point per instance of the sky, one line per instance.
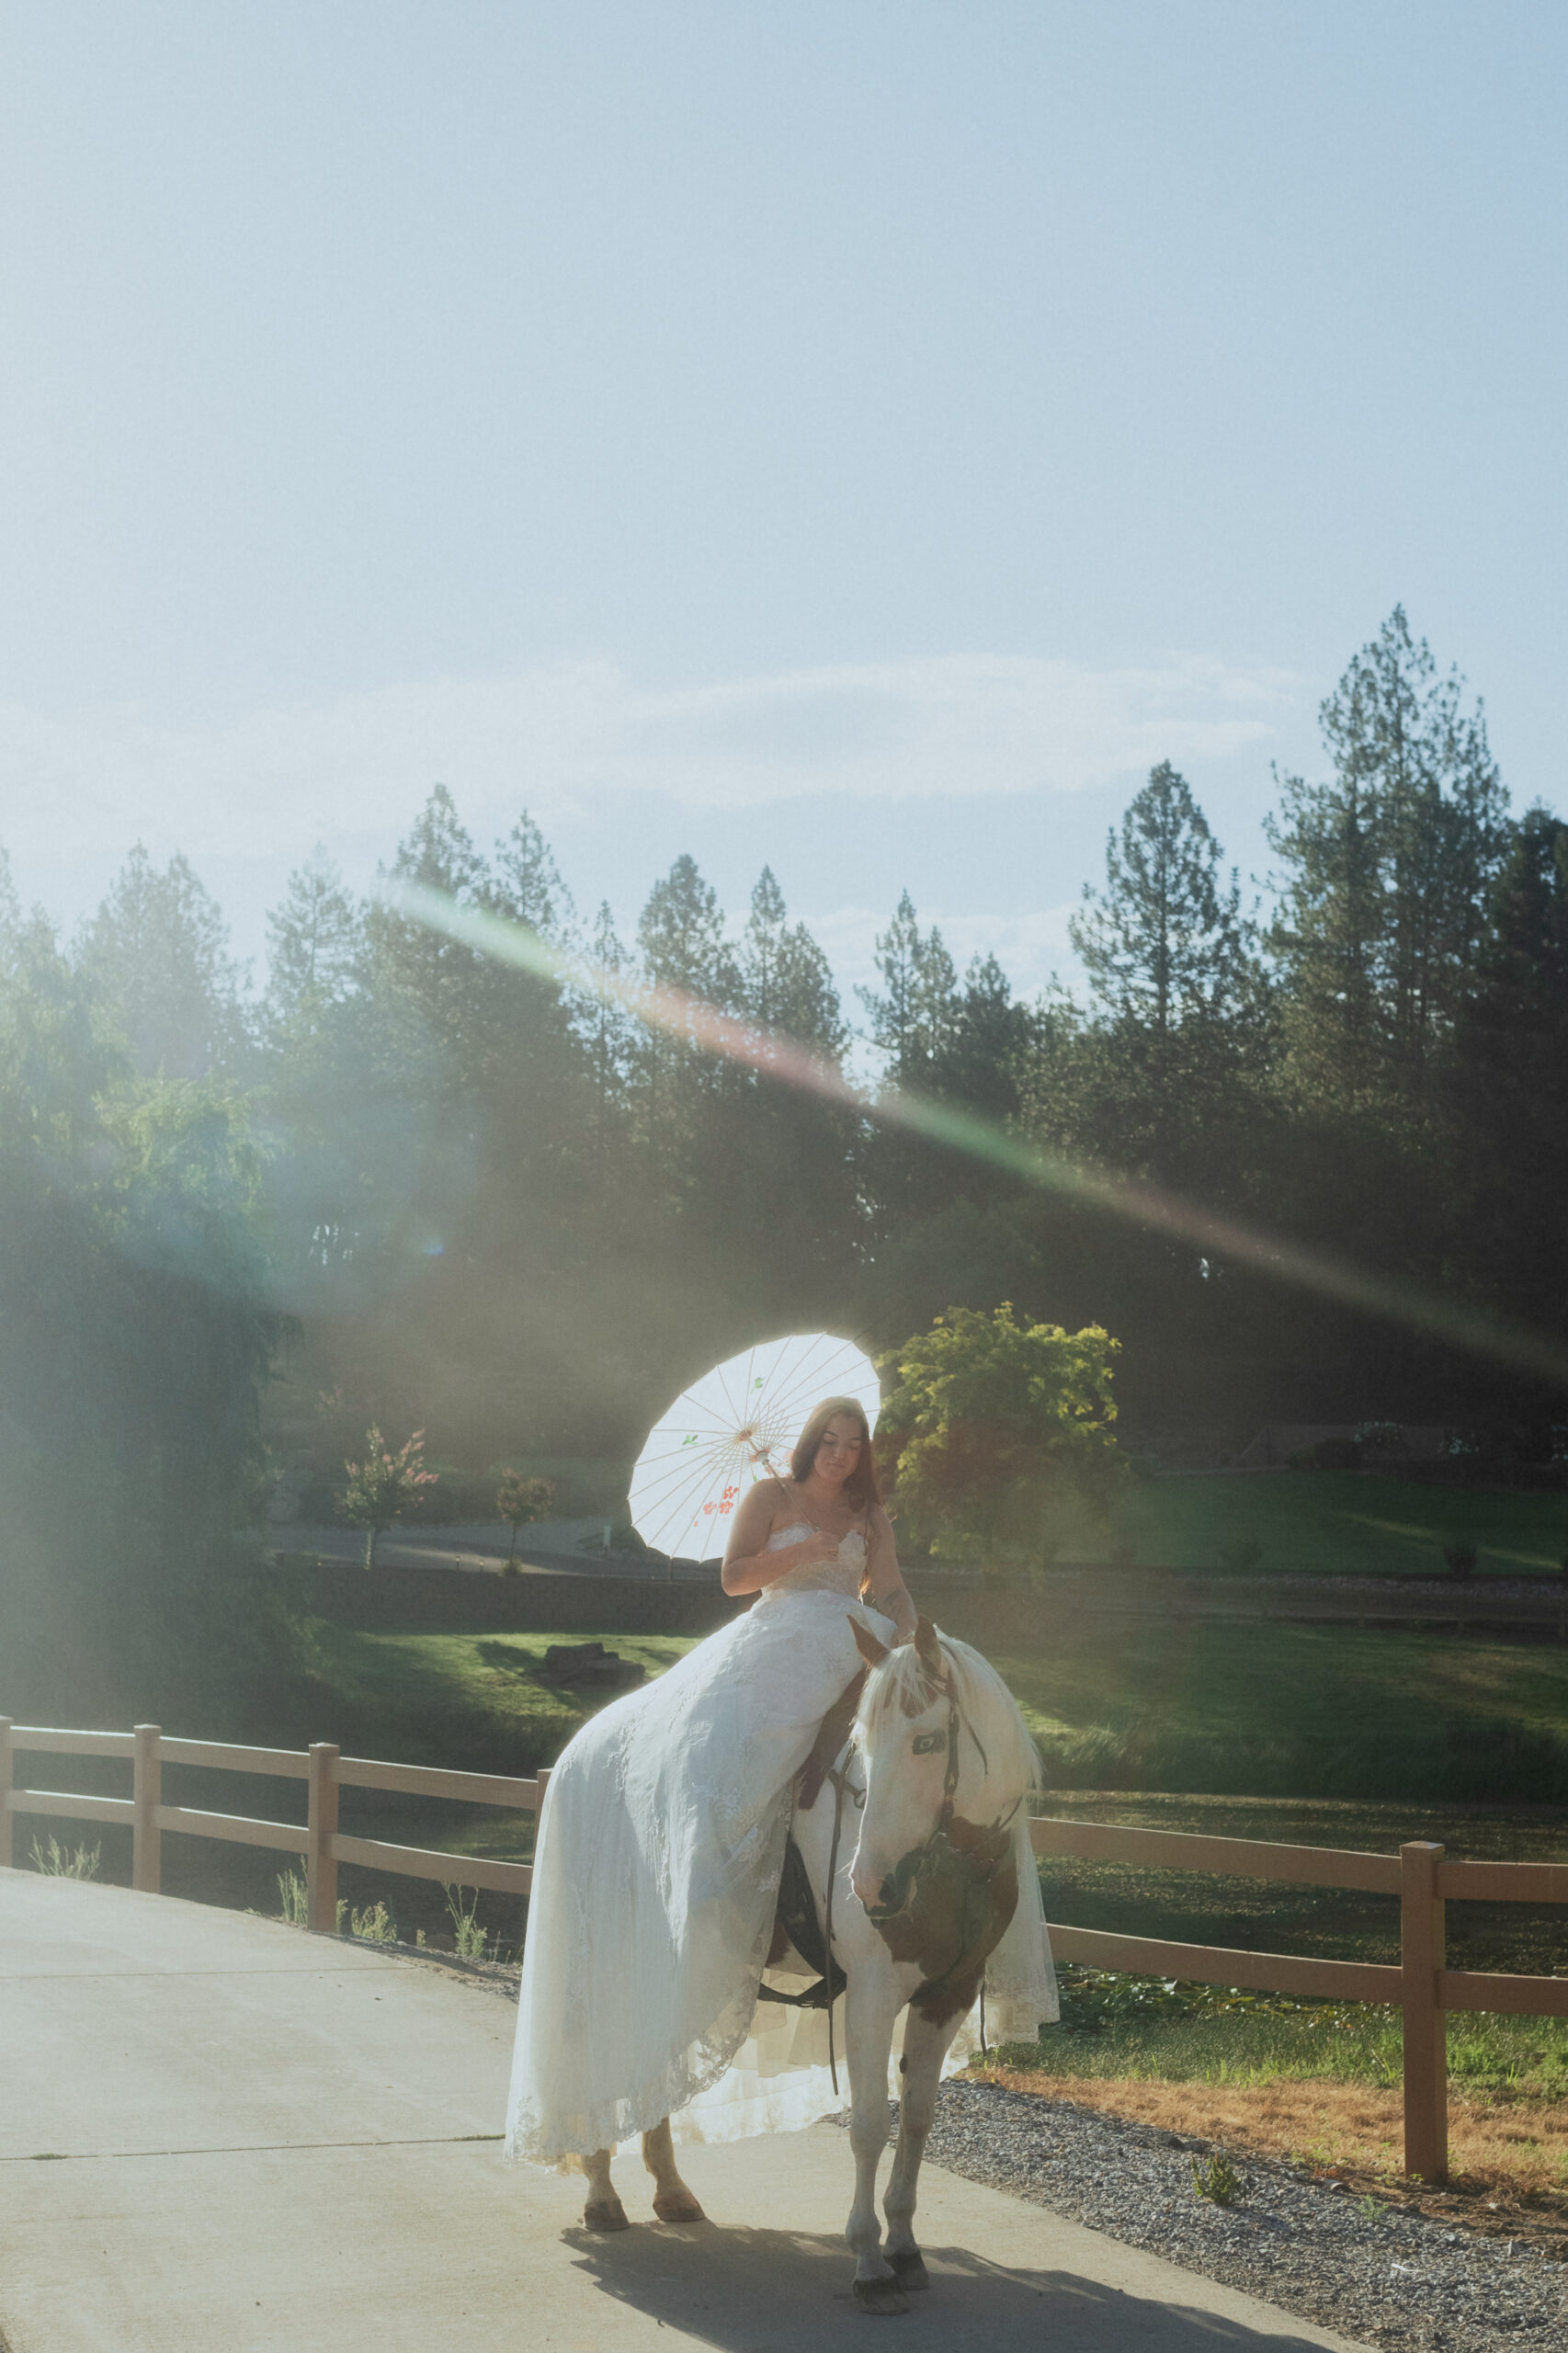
(859, 437)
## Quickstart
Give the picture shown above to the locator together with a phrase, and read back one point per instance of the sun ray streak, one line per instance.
(1397, 1299)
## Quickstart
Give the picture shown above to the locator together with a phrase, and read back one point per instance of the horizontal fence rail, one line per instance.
(1420, 1876)
(318, 1838)
(1422, 1988)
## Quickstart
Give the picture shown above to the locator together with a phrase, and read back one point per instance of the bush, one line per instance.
(998, 1432)
(1336, 1454)
(1461, 1559)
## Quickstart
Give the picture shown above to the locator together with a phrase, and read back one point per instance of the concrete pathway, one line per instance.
(220, 2135)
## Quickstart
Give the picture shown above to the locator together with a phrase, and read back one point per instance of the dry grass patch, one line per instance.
(1508, 2154)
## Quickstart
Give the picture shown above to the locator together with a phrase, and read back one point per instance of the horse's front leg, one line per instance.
(673, 2202)
(870, 2008)
(603, 2210)
(925, 2048)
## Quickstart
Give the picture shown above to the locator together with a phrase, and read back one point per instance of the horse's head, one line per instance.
(909, 1731)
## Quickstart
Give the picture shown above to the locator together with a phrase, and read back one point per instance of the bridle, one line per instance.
(908, 1870)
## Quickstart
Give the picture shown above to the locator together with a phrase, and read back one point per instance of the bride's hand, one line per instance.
(818, 1546)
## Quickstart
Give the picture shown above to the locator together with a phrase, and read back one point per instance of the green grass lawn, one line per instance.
(473, 1701)
(1213, 1707)
(1337, 1522)
(1280, 1711)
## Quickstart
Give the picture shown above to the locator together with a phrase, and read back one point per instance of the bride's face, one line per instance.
(838, 1451)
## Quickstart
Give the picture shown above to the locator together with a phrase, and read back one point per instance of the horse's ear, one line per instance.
(929, 1649)
(866, 1643)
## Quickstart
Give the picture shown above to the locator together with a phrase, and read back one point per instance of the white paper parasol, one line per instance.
(736, 1425)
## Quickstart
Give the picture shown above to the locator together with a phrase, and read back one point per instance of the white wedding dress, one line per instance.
(656, 1874)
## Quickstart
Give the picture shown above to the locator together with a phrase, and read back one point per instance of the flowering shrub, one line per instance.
(385, 1487)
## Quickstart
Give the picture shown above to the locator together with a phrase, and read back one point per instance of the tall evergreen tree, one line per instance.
(915, 1015)
(1386, 870)
(1173, 975)
(1164, 943)
(684, 943)
(989, 1035)
(527, 886)
(786, 981)
(1507, 1084)
(157, 954)
(314, 943)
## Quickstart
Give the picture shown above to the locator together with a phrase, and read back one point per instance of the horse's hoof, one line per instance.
(678, 2206)
(884, 2297)
(909, 2266)
(605, 2215)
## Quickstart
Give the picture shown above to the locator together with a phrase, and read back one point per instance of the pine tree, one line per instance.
(608, 1032)
(1164, 943)
(1506, 1084)
(314, 942)
(915, 1015)
(1386, 873)
(682, 936)
(10, 915)
(157, 954)
(786, 981)
(432, 993)
(1174, 981)
(982, 1063)
(527, 887)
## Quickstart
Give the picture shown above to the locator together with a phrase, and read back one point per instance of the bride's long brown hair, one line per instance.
(860, 1488)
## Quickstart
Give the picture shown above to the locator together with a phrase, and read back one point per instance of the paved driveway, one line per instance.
(220, 2135)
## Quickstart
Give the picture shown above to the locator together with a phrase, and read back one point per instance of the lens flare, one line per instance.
(1324, 1273)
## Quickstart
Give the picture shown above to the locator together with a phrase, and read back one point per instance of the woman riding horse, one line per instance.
(661, 1846)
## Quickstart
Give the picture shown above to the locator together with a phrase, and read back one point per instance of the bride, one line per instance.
(662, 1837)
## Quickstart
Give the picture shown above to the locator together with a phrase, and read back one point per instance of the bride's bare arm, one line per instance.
(889, 1592)
(749, 1564)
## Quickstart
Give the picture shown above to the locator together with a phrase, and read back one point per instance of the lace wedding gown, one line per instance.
(656, 1873)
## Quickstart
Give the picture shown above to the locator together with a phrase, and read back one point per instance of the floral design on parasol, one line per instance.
(736, 1425)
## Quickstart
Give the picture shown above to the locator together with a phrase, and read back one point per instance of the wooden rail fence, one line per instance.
(322, 1769)
(1421, 1876)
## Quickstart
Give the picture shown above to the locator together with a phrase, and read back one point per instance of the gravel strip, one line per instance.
(1392, 2279)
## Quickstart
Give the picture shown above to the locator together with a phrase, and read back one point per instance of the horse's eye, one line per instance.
(927, 1743)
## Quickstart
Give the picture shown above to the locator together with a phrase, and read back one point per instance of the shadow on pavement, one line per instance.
(772, 2292)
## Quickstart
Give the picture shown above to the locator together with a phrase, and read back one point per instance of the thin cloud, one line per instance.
(957, 725)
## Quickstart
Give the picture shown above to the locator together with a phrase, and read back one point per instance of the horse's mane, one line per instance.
(900, 1686)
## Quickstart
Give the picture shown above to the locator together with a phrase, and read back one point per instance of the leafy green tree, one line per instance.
(519, 1502)
(1001, 1432)
(386, 1487)
(137, 1333)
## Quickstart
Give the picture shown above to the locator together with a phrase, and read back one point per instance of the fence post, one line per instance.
(147, 1795)
(320, 1864)
(4, 1792)
(1425, 2023)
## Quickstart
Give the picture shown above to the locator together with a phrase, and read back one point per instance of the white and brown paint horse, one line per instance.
(940, 1764)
